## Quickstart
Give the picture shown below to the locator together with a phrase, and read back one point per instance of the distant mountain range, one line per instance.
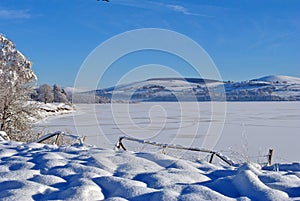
(269, 88)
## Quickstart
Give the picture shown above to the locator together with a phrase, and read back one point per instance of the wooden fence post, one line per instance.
(57, 139)
(120, 144)
(270, 155)
(39, 135)
(163, 150)
(211, 157)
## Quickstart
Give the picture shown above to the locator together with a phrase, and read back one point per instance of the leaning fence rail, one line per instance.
(173, 146)
(58, 134)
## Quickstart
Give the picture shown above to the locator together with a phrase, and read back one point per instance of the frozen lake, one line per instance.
(244, 130)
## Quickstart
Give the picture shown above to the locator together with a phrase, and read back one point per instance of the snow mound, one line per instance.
(4, 136)
(50, 109)
(47, 172)
(279, 79)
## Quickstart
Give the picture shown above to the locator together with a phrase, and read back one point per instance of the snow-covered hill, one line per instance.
(47, 172)
(279, 79)
(269, 88)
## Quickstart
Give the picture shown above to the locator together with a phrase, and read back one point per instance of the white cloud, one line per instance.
(179, 8)
(183, 10)
(14, 14)
(154, 5)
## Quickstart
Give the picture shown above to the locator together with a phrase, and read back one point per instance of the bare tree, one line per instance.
(45, 94)
(16, 82)
(60, 95)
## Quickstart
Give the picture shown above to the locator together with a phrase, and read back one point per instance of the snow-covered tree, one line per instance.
(60, 95)
(45, 94)
(16, 81)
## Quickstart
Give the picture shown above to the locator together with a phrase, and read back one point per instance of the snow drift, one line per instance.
(46, 172)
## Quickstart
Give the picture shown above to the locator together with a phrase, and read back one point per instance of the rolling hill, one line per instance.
(268, 88)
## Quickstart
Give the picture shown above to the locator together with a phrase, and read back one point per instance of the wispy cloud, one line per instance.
(14, 14)
(154, 5)
(134, 4)
(183, 10)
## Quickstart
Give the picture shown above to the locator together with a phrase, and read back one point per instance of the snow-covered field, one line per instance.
(84, 172)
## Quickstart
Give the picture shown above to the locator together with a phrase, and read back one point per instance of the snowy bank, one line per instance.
(47, 172)
(50, 109)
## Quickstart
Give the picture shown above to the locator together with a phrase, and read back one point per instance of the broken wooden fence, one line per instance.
(173, 146)
(59, 134)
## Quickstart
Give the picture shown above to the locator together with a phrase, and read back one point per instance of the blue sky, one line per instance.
(245, 38)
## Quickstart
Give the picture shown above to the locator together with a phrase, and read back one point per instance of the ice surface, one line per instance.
(249, 130)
